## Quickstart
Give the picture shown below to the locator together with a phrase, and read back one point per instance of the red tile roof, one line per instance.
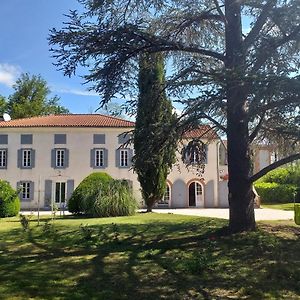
(68, 120)
(203, 131)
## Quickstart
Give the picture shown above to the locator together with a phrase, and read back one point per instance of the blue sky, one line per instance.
(24, 27)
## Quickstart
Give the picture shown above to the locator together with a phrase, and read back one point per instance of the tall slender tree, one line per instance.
(234, 64)
(153, 157)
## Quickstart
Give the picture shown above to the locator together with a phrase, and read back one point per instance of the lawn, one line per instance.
(282, 206)
(148, 256)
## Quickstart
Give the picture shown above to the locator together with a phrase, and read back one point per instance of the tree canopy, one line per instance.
(234, 64)
(30, 98)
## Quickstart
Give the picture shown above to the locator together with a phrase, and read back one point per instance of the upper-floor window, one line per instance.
(99, 157)
(124, 158)
(60, 158)
(26, 139)
(26, 158)
(60, 138)
(3, 158)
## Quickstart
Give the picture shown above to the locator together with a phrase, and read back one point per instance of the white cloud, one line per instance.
(75, 92)
(9, 74)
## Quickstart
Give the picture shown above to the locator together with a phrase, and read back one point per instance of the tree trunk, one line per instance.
(241, 197)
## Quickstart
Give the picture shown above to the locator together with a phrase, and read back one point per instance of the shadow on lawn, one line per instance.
(159, 260)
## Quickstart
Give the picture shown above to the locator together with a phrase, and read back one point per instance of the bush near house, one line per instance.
(280, 185)
(9, 200)
(100, 195)
(271, 192)
(83, 198)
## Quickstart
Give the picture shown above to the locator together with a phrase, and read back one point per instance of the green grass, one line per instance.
(147, 256)
(282, 206)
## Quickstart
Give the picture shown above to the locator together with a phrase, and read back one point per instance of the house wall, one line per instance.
(79, 143)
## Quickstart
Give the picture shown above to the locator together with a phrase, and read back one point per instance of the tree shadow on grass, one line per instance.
(163, 260)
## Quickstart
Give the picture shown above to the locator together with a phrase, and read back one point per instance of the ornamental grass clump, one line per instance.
(118, 200)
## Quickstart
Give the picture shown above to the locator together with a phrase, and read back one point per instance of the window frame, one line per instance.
(26, 158)
(60, 161)
(124, 158)
(99, 161)
(3, 152)
(26, 190)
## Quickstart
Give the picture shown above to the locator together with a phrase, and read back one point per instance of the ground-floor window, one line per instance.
(167, 196)
(25, 190)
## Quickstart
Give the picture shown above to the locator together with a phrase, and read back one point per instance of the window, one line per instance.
(26, 158)
(60, 158)
(3, 158)
(124, 158)
(25, 190)
(99, 157)
(167, 196)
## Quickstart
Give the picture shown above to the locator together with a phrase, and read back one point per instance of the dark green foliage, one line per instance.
(84, 196)
(9, 200)
(31, 98)
(276, 193)
(154, 137)
(117, 200)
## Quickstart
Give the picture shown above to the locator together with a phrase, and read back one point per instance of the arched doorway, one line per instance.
(196, 198)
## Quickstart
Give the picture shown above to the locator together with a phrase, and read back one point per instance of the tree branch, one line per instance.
(273, 166)
(260, 22)
(273, 46)
(257, 128)
(218, 8)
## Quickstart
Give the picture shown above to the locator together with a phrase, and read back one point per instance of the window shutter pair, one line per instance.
(105, 158)
(48, 189)
(20, 159)
(118, 158)
(31, 190)
(53, 158)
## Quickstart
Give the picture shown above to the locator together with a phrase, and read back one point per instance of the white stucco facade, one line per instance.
(186, 187)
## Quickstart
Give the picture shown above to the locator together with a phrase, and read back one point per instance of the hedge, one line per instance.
(271, 192)
(9, 200)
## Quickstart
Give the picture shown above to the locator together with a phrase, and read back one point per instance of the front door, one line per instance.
(60, 194)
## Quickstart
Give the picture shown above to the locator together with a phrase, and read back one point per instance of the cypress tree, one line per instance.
(154, 140)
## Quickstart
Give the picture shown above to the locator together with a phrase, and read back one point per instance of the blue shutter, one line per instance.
(31, 196)
(130, 155)
(3, 139)
(66, 164)
(206, 154)
(19, 190)
(92, 158)
(105, 152)
(32, 158)
(53, 162)
(118, 158)
(26, 139)
(70, 188)
(19, 159)
(60, 138)
(99, 139)
(48, 191)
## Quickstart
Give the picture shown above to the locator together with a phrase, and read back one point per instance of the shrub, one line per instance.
(289, 175)
(118, 201)
(9, 200)
(83, 198)
(271, 192)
